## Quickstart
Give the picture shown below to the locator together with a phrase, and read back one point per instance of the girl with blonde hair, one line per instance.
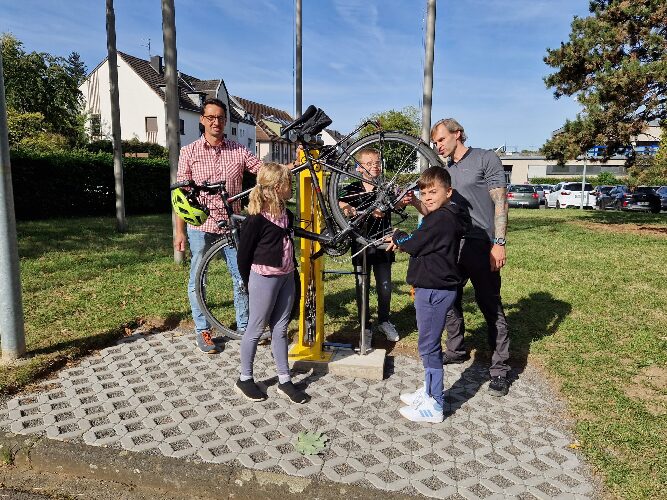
(267, 266)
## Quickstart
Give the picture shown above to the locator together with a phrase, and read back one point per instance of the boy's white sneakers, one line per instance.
(389, 331)
(411, 398)
(424, 410)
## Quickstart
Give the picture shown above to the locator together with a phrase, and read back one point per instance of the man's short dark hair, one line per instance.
(215, 102)
(432, 174)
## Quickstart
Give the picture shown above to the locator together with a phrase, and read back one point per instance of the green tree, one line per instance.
(43, 83)
(651, 170)
(405, 120)
(605, 179)
(76, 68)
(615, 63)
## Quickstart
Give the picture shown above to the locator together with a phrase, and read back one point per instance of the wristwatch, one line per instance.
(499, 241)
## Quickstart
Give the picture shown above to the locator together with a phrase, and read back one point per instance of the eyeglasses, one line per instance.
(213, 118)
(371, 164)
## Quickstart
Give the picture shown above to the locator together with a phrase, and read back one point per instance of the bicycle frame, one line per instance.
(333, 236)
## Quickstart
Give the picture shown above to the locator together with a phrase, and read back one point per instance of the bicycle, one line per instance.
(400, 155)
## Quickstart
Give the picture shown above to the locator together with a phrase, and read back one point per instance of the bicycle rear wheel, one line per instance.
(215, 290)
(401, 157)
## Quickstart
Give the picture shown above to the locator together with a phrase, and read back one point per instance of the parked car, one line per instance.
(599, 192)
(523, 195)
(540, 192)
(662, 192)
(568, 194)
(547, 188)
(643, 199)
(614, 198)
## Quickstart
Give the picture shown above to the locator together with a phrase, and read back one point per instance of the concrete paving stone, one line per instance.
(384, 481)
(101, 435)
(303, 466)
(159, 393)
(433, 487)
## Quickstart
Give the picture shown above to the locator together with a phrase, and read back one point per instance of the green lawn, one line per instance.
(585, 294)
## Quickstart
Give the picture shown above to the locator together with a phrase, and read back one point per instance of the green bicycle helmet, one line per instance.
(188, 208)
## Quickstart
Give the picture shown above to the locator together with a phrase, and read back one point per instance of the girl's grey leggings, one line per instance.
(271, 299)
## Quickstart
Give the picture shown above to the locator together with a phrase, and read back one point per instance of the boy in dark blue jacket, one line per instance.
(433, 272)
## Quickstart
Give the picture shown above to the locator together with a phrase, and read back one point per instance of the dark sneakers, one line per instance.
(446, 360)
(289, 390)
(249, 390)
(499, 386)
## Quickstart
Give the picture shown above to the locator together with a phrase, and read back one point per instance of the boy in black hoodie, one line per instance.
(433, 271)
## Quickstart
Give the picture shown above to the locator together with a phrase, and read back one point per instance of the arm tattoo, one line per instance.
(498, 195)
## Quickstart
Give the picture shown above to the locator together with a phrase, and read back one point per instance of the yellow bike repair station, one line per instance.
(308, 352)
(306, 349)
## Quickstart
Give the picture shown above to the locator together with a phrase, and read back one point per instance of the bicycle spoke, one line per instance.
(399, 156)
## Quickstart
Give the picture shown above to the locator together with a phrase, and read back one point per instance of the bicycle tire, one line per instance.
(401, 154)
(215, 292)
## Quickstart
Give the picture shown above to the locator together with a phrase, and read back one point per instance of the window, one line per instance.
(181, 126)
(95, 125)
(233, 130)
(250, 144)
(151, 124)
(275, 151)
(151, 129)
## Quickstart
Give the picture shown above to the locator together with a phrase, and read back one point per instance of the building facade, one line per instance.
(141, 91)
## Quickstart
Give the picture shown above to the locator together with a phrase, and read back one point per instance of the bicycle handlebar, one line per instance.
(181, 184)
(206, 186)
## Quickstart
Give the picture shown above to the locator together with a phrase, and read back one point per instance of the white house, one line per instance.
(141, 88)
(269, 123)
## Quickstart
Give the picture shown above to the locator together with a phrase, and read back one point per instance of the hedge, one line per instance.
(79, 183)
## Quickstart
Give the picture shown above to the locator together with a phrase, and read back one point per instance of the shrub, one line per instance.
(22, 125)
(605, 179)
(44, 142)
(80, 183)
(131, 146)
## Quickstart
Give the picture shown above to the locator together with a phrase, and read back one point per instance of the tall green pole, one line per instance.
(428, 78)
(12, 334)
(121, 222)
(171, 101)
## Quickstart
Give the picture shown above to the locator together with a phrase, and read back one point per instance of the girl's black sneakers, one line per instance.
(249, 390)
(291, 391)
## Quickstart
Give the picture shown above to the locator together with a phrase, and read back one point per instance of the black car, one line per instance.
(600, 192)
(642, 198)
(613, 199)
(662, 192)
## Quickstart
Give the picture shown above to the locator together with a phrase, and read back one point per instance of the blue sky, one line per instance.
(359, 56)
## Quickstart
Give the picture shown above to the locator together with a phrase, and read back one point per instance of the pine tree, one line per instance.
(615, 63)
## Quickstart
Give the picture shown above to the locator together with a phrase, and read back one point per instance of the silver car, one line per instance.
(523, 195)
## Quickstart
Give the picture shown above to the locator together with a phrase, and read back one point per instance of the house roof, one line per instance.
(262, 112)
(335, 134)
(156, 81)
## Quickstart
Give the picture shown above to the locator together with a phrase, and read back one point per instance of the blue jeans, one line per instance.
(200, 242)
(432, 307)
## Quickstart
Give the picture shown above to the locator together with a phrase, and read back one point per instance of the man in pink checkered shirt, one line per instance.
(212, 158)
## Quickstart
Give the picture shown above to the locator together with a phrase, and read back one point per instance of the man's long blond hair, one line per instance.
(264, 196)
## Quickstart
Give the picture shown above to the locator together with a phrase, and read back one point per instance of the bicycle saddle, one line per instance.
(312, 122)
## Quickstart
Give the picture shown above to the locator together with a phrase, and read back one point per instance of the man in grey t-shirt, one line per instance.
(478, 178)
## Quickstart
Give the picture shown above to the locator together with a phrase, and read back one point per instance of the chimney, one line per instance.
(156, 64)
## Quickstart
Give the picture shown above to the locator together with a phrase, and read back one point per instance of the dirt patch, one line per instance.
(650, 387)
(623, 228)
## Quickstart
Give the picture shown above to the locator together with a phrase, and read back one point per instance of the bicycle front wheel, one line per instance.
(216, 292)
(401, 156)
